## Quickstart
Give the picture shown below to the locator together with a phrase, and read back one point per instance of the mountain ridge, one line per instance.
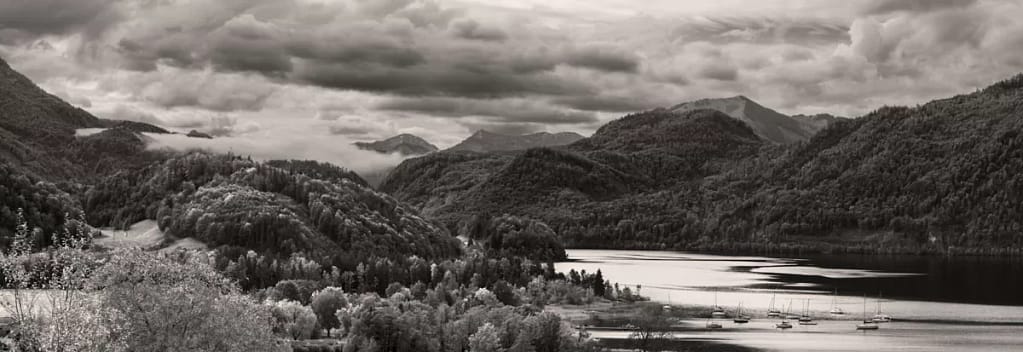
(768, 124)
(485, 141)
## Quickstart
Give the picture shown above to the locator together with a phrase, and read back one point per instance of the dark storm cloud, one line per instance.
(888, 6)
(42, 17)
(504, 111)
(760, 31)
(607, 59)
(245, 44)
(356, 50)
(400, 47)
(606, 103)
(435, 80)
(719, 72)
(473, 30)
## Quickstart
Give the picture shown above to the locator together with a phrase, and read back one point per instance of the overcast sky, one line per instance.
(299, 77)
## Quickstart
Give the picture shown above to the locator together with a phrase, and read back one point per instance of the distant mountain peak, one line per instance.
(405, 144)
(485, 141)
(768, 124)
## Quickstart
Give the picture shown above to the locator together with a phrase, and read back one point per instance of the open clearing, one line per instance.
(146, 235)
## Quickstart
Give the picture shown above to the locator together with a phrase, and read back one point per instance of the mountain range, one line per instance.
(941, 177)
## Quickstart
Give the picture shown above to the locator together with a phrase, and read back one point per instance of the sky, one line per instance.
(306, 78)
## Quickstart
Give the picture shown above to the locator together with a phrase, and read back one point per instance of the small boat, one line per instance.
(713, 325)
(878, 316)
(806, 319)
(717, 311)
(739, 317)
(788, 312)
(784, 324)
(867, 324)
(771, 310)
(835, 310)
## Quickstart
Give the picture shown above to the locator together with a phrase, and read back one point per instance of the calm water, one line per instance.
(939, 304)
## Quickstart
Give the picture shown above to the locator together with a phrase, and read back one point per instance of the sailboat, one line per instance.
(806, 319)
(784, 324)
(717, 311)
(788, 312)
(739, 317)
(867, 324)
(878, 317)
(771, 310)
(835, 310)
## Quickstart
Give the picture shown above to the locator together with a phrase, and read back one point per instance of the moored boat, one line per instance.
(739, 317)
(771, 310)
(867, 324)
(835, 309)
(806, 318)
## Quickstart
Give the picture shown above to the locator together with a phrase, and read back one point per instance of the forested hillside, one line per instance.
(43, 165)
(48, 176)
(281, 207)
(944, 176)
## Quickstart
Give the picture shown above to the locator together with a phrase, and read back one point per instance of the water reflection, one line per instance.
(940, 304)
(916, 288)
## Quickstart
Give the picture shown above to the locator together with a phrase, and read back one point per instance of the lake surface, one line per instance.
(940, 304)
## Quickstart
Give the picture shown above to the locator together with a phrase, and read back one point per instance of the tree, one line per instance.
(598, 284)
(485, 339)
(293, 320)
(652, 329)
(326, 303)
(160, 302)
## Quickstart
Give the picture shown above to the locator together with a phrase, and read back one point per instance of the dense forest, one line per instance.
(939, 177)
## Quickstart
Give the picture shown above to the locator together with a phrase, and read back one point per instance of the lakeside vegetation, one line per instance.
(75, 296)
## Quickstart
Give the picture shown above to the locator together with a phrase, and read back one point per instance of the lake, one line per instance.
(938, 303)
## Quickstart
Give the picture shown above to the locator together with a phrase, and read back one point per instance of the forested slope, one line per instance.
(279, 207)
